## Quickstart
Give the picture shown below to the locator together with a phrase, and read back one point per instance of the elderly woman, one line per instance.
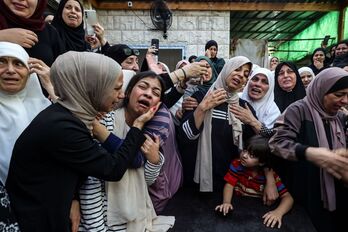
(311, 133)
(21, 100)
(273, 63)
(259, 93)
(56, 151)
(288, 86)
(307, 75)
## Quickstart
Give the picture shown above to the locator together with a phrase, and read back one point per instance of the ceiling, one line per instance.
(274, 20)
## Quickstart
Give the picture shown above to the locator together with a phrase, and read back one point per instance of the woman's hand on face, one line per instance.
(150, 149)
(23, 37)
(318, 64)
(142, 119)
(41, 69)
(213, 99)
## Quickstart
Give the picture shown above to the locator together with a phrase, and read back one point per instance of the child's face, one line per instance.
(248, 160)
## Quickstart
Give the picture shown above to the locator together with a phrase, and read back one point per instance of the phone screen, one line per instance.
(90, 20)
(155, 43)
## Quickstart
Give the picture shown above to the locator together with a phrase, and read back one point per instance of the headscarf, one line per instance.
(119, 52)
(81, 80)
(10, 20)
(207, 84)
(177, 66)
(312, 66)
(266, 110)
(283, 98)
(211, 43)
(74, 38)
(316, 91)
(17, 110)
(306, 69)
(204, 169)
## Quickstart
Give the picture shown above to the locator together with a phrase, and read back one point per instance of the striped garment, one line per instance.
(93, 199)
(245, 184)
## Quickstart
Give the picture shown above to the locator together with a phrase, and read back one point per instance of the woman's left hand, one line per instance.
(243, 114)
(150, 148)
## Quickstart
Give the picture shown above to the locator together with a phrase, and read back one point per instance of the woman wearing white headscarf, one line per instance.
(307, 75)
(57, 150)
(259, 93)
(21, 99)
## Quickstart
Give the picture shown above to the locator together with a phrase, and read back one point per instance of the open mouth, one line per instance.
(236, 81)
(72, 17)
(10, 80)
(144, 103)
(256, 90)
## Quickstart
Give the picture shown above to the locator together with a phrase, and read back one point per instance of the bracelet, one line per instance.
(185, 77)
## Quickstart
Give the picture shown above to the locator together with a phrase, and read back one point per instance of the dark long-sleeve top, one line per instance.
(49, 159)
(294, 132)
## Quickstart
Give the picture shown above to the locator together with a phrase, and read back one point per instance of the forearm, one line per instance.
(199, 115)
(285, 204)
(228, 193)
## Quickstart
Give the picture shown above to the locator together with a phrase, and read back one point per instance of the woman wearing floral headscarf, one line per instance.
(311, 134)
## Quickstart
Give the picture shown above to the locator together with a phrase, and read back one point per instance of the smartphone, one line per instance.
(155, 43)
(326, 40)
(90, 19)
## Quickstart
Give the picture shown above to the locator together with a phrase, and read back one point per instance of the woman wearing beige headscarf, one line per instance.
(218, 131)
(57, 150)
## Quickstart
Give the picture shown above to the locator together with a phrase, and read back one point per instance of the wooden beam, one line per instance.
(340, 29)
(219, 6)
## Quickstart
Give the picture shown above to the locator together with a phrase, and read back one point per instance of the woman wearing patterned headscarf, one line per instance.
(57, 151)
(311, 134)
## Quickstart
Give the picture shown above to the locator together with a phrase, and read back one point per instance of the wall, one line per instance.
(190, 30)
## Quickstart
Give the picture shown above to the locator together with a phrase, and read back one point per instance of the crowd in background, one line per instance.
(92, 141)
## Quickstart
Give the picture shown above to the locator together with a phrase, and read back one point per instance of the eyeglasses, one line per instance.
(129, 52)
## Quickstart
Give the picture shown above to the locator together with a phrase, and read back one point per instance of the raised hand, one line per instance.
(23, 37)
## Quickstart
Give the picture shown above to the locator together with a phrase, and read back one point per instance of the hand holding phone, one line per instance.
(155, 44)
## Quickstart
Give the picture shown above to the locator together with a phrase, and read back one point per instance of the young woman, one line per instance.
(56, 151)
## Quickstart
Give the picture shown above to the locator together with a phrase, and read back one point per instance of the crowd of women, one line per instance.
(91, 141)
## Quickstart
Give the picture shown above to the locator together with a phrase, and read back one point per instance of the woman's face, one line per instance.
(213, 51)
(286, 78)
(131, 63)
(13, 75)
(306, 78)
(237, 78)
(113, 97)
(145, 94)
(274, 63)
(334, 101)
(22, 8)
(208, 75)
(319, 56)
(72, 14)
(258, 87)
(341, 49)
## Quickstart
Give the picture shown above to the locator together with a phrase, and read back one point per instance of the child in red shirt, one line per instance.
(246, 177)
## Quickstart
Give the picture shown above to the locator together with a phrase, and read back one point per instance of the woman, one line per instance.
(307, 75)
(24, 24)
(310, 134)
(68, 20)
(215, 126)
(273, 63)
(259, 93)
(211, 50)
(341, 55)
(56, 151)
(125, 56)
(318, 60)
(129, 202)
(20, 101)
(288, 86)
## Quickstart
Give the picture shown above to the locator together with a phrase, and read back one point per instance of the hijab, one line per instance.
(266, 109)
(207, 84)
(306, 69)
(81, 79)
(74, 38)
(316, 91)
(204, 170)
(10, 20)
(283, 98)
(17, 110)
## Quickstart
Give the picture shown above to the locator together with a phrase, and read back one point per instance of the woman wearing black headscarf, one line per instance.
(288, 85)
(319, 60)
(26, 27)
(68, 21)
(211, 50)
